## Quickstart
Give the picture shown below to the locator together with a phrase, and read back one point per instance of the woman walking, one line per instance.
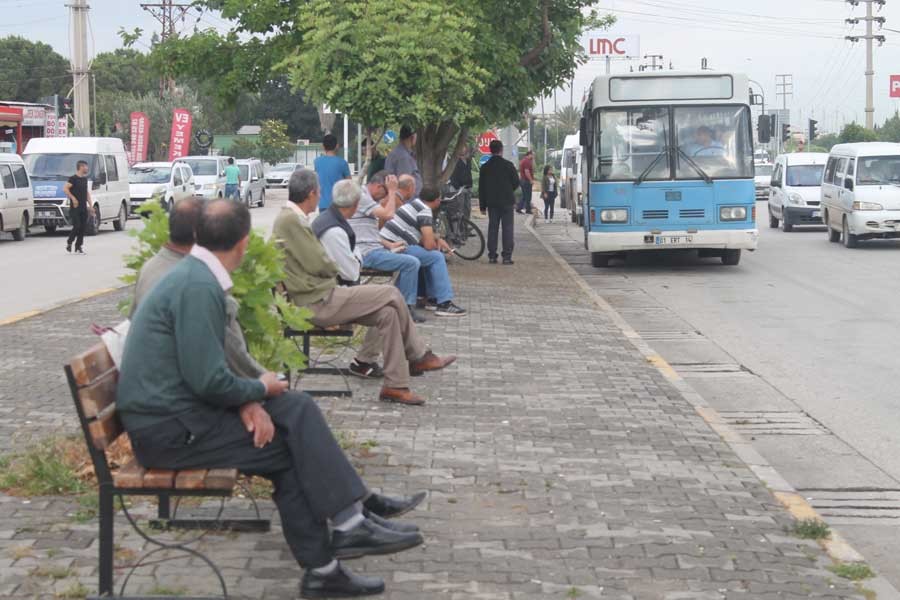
(548, 193)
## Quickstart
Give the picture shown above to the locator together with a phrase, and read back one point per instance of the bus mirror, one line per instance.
(582, 132)
(763, 126)
(848, 183)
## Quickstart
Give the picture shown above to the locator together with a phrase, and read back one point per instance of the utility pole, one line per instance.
(168, 13)
(81, 83)
(869, 37)
(784, 87)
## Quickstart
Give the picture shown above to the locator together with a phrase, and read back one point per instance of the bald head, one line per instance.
(406, 185)
(183, 221)
(223, 225)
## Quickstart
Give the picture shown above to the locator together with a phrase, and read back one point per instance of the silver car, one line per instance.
(279, 175)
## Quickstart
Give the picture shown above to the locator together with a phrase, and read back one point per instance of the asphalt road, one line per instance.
(38, 274)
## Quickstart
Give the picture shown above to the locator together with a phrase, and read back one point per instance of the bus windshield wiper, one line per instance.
(651, 166)
(696, 167)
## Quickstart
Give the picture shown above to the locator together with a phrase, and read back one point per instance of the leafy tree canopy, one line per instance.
(274, 145)
(125, 71)
(30, 70)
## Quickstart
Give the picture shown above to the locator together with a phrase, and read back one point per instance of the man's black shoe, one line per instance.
(365, 370)
(402, 527)
(492, 261)
(340, 583)
(388, 508)
(369, 538)
(508, 261)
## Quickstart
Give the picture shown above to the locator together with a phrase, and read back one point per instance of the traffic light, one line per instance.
(66, 106)
(812, 130)
(764, 129)
(785, 132)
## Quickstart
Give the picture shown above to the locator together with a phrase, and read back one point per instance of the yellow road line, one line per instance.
(34, 313)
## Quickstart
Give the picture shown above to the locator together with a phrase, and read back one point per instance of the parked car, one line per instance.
(51, 161)
(209, 175)
(280, 175)
(253, 183)
(762, 178)
(162, 182)
(860, 195)
(795, 192)
(16, 198)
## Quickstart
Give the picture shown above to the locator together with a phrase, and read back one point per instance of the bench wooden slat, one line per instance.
(105, 428)
(159, 478)
(221, 479)
(90, 365)
(100, 394)
(130, 476)
(190, 479)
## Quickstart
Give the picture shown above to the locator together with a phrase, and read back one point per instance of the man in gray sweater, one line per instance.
(182, 225)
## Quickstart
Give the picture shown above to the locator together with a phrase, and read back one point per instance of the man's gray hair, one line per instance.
(346, 193)
(303, 183)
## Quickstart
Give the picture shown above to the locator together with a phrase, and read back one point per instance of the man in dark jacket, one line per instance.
(497, 183)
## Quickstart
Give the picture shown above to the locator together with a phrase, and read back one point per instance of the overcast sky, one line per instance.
(761, 37)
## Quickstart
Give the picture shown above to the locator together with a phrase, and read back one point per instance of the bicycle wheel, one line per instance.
(470, 245)
(441, 225)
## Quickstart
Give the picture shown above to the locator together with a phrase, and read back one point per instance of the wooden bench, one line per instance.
(92, 380)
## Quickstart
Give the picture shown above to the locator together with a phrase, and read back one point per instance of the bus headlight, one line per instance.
(732, 213)
(616, 215)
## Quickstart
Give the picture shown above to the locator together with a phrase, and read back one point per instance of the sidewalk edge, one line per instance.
(41, 311)
(836, 546)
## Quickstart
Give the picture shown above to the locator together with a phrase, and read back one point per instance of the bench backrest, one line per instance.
(92, 379)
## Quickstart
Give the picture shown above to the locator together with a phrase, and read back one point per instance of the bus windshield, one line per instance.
(700, 142)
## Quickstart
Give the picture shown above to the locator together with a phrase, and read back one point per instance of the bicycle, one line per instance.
(456, 229)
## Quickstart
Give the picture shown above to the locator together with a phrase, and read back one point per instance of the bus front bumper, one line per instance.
(626, 241)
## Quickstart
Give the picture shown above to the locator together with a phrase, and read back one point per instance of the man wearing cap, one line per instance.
(402, 159)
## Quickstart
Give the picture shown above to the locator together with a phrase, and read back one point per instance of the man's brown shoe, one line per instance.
(401, 396)
(430, 362)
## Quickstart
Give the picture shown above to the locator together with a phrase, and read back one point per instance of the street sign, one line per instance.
(484, 158)
(895, 86)
(484, 141)
(390, 136)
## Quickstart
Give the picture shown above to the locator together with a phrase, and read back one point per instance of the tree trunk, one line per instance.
(432, 144)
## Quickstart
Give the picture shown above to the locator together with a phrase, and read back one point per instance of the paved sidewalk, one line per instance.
(559, 464)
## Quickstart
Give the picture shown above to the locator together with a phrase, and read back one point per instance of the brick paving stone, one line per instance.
(559, 464)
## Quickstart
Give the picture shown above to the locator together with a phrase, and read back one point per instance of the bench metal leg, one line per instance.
(163, 506)
(106, 540)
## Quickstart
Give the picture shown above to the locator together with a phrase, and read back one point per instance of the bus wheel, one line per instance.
(600, 259)
(731, 257)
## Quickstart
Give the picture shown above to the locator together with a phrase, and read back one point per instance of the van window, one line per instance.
(776, 176)
(804, 175)
(829, 169)
(839, 173)
(112, 171)
(7, 177)
(20, 176)
(878, 170)
(203, 166)
(177, 179)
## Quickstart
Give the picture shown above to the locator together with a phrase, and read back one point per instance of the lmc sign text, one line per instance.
(615, 46)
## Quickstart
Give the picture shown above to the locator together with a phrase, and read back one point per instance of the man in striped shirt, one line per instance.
(411, 230)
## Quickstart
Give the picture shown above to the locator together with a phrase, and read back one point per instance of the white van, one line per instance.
(51, 161)
(163, 182)
(861, 192)
(570, 183)
(253, 182)
(16, 200)
(209, 175)
(795, 190)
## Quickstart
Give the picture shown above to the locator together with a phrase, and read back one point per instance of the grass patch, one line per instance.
(18, 552)
(855, 571)
(53, 572)
(76, 590)
(811, 529)
(573, 592)
(89, 508)
(260, 487)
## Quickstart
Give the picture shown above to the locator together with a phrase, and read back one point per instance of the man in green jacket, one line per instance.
(311, 281)
(184, 408)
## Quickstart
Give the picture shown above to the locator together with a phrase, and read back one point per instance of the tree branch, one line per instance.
(451, 164)
(530, 57)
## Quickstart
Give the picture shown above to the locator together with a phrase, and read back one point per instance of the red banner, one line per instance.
(180, 142)
(140, 137)
(895, 86)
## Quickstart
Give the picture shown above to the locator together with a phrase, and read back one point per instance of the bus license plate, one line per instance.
(673, 240)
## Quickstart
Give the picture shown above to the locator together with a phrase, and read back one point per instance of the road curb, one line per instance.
(836, 546)
(41, 311)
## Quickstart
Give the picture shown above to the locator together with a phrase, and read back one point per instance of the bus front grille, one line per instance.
(692, 213)
(656, 214)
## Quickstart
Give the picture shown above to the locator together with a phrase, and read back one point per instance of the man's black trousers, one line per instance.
(312, 477)
(79, 222)
(501, 216)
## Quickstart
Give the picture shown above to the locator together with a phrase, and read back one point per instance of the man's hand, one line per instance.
(258, 422)
(393, 246)
(443, 246)
(391, 183)
(274, 386)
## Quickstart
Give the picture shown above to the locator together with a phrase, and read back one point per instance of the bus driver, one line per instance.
(704, 144)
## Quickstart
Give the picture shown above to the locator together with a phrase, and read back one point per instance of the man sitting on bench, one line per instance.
(183, 408)
(311, 281)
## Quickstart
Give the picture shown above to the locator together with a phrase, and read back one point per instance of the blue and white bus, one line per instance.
(669, 165)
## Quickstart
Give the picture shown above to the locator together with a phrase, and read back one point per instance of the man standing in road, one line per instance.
(232, 180)
(330, 168)
(402, 159)
(497, 184)
(80, 206)
(526, 176)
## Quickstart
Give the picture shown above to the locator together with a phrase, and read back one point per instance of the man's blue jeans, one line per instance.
(437, 277)
(232, 191)
(406, 266)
